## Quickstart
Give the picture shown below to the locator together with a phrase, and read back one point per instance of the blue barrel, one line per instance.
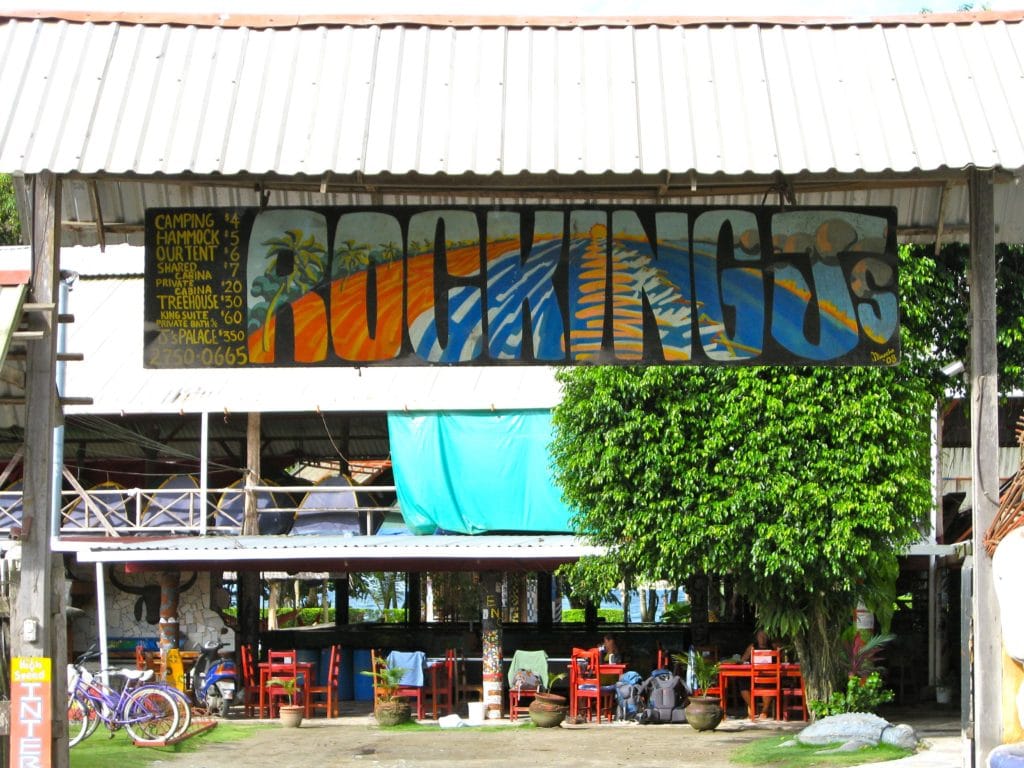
(345, 691)
(312, 656)
(362, 685)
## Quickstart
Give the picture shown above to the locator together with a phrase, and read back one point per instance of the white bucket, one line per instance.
(476, 711)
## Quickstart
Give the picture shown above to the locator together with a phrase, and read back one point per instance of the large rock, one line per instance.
(857, 728)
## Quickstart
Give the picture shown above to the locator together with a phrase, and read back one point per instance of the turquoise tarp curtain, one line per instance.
(476, 472)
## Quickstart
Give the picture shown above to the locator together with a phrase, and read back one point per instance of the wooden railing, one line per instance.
(119, 512)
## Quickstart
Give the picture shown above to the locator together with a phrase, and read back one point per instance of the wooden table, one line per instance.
(745, 671)
(305, 668)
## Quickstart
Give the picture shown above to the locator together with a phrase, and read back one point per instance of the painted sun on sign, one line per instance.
(566, 286)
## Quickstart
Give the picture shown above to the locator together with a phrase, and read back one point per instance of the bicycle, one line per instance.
(147, 712)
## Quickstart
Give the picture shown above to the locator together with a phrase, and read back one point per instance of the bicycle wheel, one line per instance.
(82, 721)
(184, 704)
(150, 715)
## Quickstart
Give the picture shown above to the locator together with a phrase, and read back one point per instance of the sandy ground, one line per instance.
(355, 740)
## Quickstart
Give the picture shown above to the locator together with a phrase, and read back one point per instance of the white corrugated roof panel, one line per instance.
(727, 98)
(353, 552)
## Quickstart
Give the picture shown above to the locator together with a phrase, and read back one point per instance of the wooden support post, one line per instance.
(544, 613)
(413, 598)
(34, 629)
(249, 581)
(341, 594)
(987, 667)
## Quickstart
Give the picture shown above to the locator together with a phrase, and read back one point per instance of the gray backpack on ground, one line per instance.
(664, 694)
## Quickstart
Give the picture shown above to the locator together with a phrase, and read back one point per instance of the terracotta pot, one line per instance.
(290, 715)
(390, 713)
(546, 714)
(551, 699)
(703, 713)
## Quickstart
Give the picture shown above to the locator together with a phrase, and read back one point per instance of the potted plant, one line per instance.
(703, 712)
(289, 714)
(388, 707)
(548, 709)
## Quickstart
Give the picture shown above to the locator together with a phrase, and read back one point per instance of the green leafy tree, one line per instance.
(10, 224)
(934, 311)
(803, 484)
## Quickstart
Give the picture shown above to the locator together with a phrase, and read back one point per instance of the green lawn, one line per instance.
(770, 752)
(99, 751)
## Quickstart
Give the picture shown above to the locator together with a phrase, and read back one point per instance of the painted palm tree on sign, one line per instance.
(350, 257)
(306, 270)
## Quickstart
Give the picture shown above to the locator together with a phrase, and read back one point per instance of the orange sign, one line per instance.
(31, 712)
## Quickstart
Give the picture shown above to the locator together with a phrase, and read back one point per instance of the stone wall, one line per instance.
(197, 622)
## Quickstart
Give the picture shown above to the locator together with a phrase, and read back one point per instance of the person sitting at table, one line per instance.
(761, 643)
(610, 649)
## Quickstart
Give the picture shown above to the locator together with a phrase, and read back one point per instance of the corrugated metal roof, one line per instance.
(108, 326)
(345, 553)
(723, 112)
(741, 98)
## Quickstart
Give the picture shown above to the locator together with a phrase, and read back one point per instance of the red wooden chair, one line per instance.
(587, 691)
(792, 694)
(329, 690)
(521, 694)
(250, 681)
(406, 661)
(710, 653)
(440, 692)
(765, 680)
(283, 666)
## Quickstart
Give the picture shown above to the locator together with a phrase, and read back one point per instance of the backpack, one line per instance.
(663, 691)
(629, 695)
(524, 678)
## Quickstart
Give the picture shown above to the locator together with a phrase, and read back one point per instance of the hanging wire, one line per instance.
(334, 445)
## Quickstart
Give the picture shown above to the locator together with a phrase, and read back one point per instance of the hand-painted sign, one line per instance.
(231, 287)
(31, 712)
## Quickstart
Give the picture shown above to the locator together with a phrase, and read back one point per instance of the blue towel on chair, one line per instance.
(412, 662)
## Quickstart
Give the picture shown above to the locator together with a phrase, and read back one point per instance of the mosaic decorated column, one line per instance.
(490, 641)
(169, 592)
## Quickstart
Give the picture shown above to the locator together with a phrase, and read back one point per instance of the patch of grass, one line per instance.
(99, 751)
(770, 752)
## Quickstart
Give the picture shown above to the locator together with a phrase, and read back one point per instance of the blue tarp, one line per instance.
(476, 472)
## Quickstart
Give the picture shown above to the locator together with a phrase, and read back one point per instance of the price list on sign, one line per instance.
(195, 289)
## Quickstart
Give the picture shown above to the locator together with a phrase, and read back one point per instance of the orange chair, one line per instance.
(283, 666)
(329, 690)
(587, 691)
(792, 692)
(766, 679)
(250, 682)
